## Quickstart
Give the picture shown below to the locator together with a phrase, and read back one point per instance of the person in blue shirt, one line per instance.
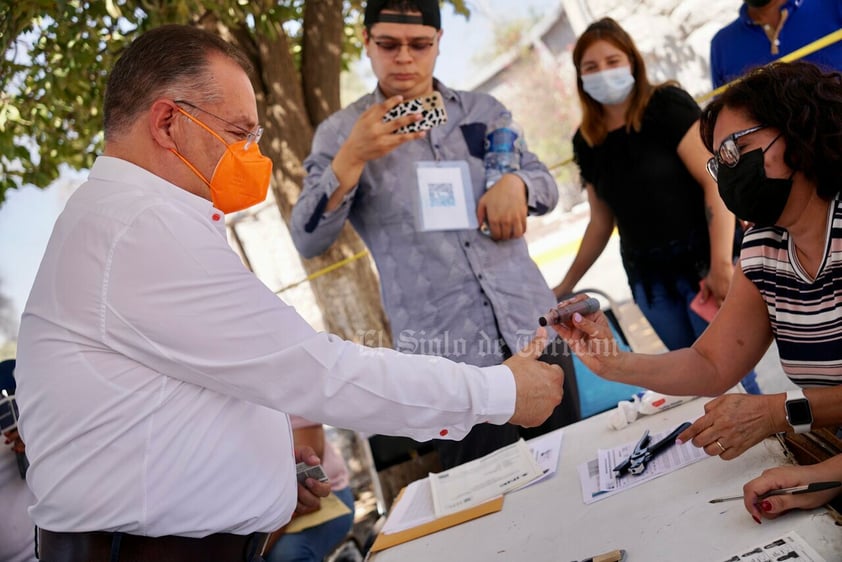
(766, 30)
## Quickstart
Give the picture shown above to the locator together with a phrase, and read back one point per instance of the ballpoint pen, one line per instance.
(806, 489)
(644, 452)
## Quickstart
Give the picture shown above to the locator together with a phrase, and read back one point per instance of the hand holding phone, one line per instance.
(431, 107)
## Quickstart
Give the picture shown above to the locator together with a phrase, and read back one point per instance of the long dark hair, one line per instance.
(804, 103)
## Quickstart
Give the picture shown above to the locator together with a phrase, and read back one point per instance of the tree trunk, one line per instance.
(321, 57)
(349, 297)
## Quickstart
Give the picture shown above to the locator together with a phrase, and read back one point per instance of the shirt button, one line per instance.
(479, 276)
(443, 432)
(216, 216)
(467, 244)
(484, 303)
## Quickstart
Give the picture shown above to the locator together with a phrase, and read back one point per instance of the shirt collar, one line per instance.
(111, 169)
(438, 85)
(791, 6)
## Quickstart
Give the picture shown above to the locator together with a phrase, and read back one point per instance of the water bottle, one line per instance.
(503, 147)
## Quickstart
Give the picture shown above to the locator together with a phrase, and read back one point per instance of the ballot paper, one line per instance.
(599, 481)
(546, 450)
(789, 547)
(480, 480)
(414, 509)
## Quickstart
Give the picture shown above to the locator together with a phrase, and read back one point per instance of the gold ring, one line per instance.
(720, 445)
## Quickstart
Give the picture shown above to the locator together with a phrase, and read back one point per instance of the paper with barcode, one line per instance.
(598, 479)
(480, 480)
(789, 547)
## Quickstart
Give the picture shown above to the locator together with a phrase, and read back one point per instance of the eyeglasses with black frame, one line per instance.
(251, 137)
(417, 47)
(729, 152)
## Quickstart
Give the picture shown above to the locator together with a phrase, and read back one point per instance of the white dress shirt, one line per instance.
(155, 373)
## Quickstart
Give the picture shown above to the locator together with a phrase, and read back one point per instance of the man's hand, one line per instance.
(13, 439)
(310, 492)
(732, 423)
(371, 138)
(504, 208)
(538, 384)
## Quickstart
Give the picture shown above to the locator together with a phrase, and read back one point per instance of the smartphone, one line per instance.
(431, 107)
(303, 471)
(8, 413)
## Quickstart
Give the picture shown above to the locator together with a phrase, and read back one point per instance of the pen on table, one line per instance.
(613, 556)
(806, 489)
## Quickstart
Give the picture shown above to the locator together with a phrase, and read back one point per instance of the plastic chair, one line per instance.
(597, 395)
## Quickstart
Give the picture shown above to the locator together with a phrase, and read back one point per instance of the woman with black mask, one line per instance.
(776, 137)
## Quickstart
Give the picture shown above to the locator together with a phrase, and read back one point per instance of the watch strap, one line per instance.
(797, 394)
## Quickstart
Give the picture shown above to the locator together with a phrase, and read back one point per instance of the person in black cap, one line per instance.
(448, 290)
(16, 528)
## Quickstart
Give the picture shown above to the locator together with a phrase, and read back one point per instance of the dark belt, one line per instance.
(111, 547)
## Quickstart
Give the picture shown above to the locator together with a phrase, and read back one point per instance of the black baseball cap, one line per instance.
(430, 14)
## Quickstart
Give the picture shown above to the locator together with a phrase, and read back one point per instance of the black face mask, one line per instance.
(749, 194)
(757, 3)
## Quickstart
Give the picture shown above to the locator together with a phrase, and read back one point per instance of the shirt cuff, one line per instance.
(530, 195)
(332, 186)
(502, 394)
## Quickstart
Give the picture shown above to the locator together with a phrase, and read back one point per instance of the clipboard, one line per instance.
(385, 541)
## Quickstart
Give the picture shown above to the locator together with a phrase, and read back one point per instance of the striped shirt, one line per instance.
(805, 313)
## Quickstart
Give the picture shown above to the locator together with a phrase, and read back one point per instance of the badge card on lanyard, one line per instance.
(445, 198)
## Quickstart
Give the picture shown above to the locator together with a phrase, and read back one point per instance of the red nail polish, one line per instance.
(765, 505)
(756, 519)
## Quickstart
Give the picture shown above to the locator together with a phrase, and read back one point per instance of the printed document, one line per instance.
(597, 476)
(480, 480)
(546, 449)
(789, 547)
(538, 461)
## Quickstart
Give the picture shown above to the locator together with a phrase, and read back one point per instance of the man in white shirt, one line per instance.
(155, 373)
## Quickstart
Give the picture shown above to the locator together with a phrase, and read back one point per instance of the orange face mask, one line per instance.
(242, 175)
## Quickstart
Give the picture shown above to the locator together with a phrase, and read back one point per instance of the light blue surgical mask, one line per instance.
(609, 87)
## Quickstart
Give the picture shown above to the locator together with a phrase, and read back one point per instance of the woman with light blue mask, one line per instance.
(642, 163)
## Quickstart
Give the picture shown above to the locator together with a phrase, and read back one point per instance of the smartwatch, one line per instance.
(798, 413)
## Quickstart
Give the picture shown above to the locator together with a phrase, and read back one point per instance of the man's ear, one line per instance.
(366, 40)
(161, 120)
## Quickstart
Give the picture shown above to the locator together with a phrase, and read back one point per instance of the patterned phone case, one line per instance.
(431, 107)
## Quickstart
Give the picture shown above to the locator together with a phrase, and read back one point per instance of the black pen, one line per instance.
(806, 489)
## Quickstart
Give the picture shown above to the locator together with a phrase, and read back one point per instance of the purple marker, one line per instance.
(562, 313)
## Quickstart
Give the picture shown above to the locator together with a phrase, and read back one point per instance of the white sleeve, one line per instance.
(179, 301)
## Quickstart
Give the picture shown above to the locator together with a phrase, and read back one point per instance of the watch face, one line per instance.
(798, 412)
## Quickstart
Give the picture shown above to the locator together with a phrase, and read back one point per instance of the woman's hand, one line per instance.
(591, 339)
(787, 477)
(732, 423)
